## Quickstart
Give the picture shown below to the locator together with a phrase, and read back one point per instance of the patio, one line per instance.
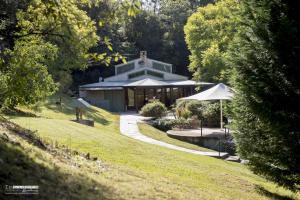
(206, 132)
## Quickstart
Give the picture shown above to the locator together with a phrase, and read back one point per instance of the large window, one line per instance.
(161, 67)
(136, 74)
(156, 74)
(125, 68)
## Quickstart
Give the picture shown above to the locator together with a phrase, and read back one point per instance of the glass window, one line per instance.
(136, 74)
(161, 66)
(125, 68)
(156, 74)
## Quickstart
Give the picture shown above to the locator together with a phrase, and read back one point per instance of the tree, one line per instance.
(266, 59)
(28, 80)
(40, 40)
(208, 33)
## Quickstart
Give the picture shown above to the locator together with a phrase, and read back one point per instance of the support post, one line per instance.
(135, 98)
(221, 114)
(201, 125)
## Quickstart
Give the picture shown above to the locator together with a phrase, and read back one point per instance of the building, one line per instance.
(135, 83)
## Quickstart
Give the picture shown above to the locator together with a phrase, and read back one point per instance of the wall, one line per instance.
(112, 100)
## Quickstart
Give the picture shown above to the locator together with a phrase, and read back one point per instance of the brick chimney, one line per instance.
(143, 55)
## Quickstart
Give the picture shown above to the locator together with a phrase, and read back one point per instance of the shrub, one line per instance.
(181, 111)
(154, 109)
(193, 122)
(187, 109)
(181, 123)
(163, 124)
(211, 114)
(195, 108)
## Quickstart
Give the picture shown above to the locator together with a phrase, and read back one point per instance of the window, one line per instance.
(125, 68)
(156, 74)
(136, 74)
(161, 66)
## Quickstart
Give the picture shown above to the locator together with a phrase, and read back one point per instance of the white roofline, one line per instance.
(130, 61)
(145, 68)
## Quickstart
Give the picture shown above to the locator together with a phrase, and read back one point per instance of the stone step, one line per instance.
(233, 159)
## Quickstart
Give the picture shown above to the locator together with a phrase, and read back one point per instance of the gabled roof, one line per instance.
(174, 76)
(105, 84)
(131, 61)
(147, 82)
(117, 85)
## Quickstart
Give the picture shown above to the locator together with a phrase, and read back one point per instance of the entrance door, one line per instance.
(131, 100)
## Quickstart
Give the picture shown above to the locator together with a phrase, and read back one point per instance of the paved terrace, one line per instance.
(129, 127)
(206, 132)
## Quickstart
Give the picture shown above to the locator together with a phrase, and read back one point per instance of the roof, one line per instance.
(125, 74)
(147, 82)
(218, 92)
(188, 82)
(106, 84)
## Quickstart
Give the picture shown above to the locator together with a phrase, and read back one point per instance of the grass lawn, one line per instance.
(144, 171)
(154, 133)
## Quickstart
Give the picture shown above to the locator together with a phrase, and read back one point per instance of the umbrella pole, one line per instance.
(221, 114)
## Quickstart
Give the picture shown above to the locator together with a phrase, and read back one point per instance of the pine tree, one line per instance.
(265, 56)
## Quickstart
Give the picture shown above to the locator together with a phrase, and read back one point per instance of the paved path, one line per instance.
(129, 127)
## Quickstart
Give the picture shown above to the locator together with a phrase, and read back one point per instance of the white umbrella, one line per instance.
(218, 92)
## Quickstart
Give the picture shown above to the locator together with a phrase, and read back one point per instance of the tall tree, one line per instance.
(266, 59)
(42, 38)
(208, 33)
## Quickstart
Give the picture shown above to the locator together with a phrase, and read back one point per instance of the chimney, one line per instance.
(143, 55)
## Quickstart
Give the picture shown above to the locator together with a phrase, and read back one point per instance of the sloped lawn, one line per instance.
(143, 171)
(154, 133)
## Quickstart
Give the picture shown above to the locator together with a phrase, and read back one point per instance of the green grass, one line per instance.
(154, 133)
(144, 171)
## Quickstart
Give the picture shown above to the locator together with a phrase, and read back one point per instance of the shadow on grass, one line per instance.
(67, 107)
(16, 112)
(18, 168)
(272, 195)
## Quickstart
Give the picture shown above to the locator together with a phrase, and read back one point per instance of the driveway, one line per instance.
(129, 127)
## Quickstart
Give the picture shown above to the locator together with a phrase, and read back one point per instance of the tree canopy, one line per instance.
(42, 41)
(208, 34)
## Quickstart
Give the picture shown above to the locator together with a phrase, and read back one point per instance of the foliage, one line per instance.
(3, 88)
(154, 109)
(187, 109)
(195, 108)
(181, 123)
(193, 122)
(64, 25)
(181, 111)
(211, 112)
(207, 34)
(28, 80)
(265, 55)
(163, 124)
(178, 123)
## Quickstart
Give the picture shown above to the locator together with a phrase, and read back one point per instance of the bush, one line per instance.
(186, 109)
(211, 114)
(181, 123)
(193, 122)
(163, 124)
(154, 109)
(195, 108)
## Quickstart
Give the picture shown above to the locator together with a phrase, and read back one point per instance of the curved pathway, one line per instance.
(129, 127)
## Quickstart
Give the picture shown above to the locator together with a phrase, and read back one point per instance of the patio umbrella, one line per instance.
(218, 92)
